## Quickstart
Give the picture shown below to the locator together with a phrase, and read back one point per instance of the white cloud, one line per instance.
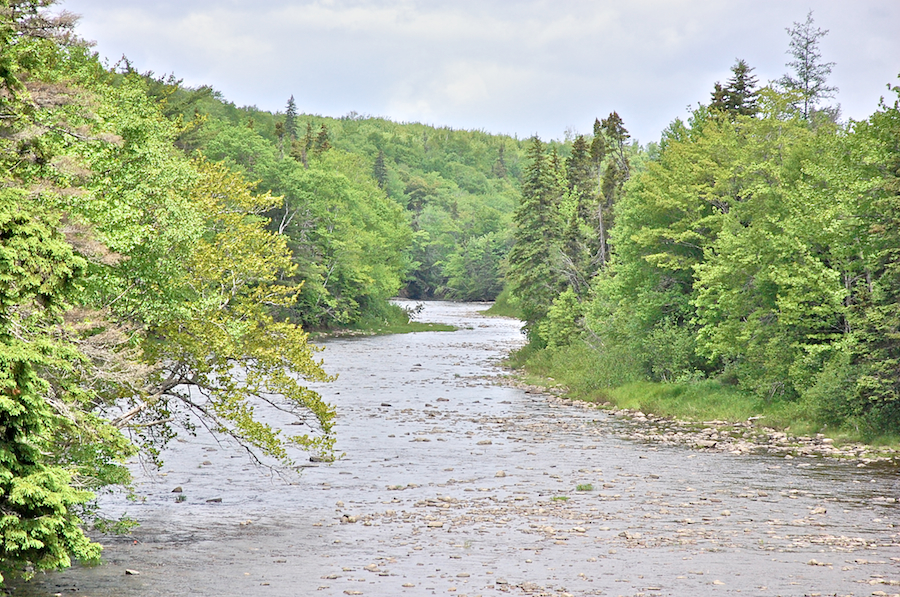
(518, 67)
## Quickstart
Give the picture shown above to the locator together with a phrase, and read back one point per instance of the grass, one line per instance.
(383, 320)
(586, 375)
(560, 498)
(504, 306)
(584, 487)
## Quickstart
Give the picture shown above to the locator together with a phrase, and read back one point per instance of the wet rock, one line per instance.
(178, 489)
(130, 572)
(500, 474)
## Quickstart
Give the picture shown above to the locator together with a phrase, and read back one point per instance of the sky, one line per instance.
(517, 67)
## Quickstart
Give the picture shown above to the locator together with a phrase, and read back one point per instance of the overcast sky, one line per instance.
(505, 66)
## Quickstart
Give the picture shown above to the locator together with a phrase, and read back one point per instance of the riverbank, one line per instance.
(747, 436)
(453, 484)
(395, 318)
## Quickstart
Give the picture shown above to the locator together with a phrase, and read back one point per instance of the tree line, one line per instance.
(755, 245)
(163, 254)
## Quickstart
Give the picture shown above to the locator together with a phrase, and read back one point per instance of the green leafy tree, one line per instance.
(875, 312)
(473, 271)
(39, 525)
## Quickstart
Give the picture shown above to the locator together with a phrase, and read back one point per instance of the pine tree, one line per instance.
(379, 169)
(536, 237)
(577, 236)
(290, 119)
(739, 95)
(321, 143)
(810, 74)
(499, 169)
(617, 171)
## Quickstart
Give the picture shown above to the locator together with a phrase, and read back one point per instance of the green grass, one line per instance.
(560, 498)
(584, 487)
(587, 375)
(383, 320)
(504, 306)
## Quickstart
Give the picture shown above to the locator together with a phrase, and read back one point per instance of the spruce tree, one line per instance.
(616, 172)
(531, 274)
(321, 143)
(290, 119)
(577, 236)
(379, 169)
(499, 169)
(739, 95)
(810, 75)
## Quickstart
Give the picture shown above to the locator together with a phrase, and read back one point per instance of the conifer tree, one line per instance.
(615, 174)
(499, 169)
(536, 237)
(379, 169)
(321, 143)
(577, 236)
(810, 75)
(290, 119)
(739, 95)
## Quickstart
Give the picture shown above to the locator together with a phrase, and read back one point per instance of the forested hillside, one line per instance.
(444, 198)
(753, 256)
(164, 254)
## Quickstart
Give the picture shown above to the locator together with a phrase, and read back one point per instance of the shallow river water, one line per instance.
(453, 484)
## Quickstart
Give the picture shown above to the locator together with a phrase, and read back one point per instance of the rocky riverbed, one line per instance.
(453, 483)
(746, 437)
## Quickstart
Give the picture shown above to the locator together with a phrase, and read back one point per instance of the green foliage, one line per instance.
(739, 96)
(389, 318)
(809, 80)
(474, 271)
(875, 314)
(757, 252)
(505, 305)
(455, 185)
(38, 270)
(532, 279)
(562, 324)
(138, 288)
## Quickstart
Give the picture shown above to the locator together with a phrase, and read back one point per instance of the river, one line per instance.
(454, 484)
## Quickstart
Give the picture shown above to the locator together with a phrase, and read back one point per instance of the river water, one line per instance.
(454, 484)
